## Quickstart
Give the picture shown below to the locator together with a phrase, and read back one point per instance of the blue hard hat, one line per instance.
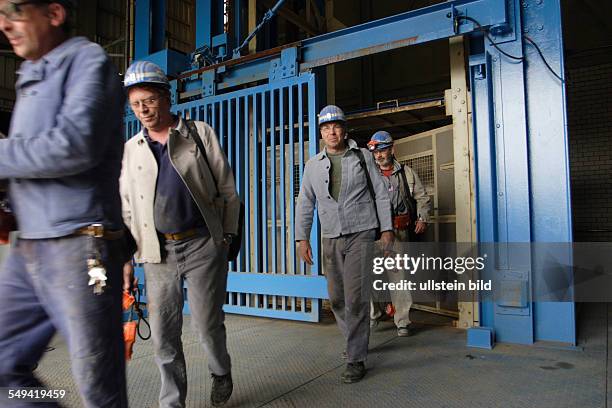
(145, 72)
(380, 140)
(331, 113)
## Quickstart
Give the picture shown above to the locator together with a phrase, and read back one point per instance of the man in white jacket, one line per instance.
(180, 202)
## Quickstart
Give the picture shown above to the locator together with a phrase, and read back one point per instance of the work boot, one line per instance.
(404, 331)
(354, 372)
(222, 388)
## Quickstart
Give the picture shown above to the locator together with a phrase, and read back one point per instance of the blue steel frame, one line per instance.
(150, 21)
(519, 133)
(410, 28)
(522, 146)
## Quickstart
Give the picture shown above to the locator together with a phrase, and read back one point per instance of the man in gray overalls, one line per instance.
(351, 204)
(411, 206)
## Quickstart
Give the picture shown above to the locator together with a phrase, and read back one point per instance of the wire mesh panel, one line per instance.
(266, 134)
(423, 166)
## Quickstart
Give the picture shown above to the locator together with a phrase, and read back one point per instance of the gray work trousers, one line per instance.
(203, 265)
(401, 299)
(347, 261)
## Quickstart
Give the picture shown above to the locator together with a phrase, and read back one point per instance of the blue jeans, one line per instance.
(44, 288)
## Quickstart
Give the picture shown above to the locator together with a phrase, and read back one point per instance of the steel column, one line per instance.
(519, 114)
(142, 35)
(150, 27)
(549, 159)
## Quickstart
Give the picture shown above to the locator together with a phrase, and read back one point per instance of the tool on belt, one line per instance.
(7, 221)
(95, 266)
(402, 222)
(131, 327)
(390, 309)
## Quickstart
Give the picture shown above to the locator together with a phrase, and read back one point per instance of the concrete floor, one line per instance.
(288, 364)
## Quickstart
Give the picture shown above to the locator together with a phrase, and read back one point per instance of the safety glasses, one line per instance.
(14, 11)
(152, 102)
(330, 127)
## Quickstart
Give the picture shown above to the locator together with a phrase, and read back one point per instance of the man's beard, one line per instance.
(384, 162)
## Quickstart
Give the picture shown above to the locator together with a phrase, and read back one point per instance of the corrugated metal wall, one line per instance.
(180, 25)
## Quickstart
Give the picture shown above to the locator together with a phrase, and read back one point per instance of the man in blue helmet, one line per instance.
(180, 202)
(410, 206)
(63, 160)
(346, 186)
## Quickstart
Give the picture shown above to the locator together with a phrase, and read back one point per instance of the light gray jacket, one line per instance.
(139, 177)
(354, 211)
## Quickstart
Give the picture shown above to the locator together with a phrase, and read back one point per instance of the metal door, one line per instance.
(267, 135)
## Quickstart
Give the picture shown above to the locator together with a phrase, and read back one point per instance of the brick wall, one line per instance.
(589, 100)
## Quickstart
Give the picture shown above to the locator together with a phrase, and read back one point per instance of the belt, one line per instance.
(183, 235)
(98, 231)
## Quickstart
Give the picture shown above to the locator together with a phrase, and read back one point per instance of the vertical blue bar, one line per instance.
(247, 193)
(239, 29)
(292, 182)
(238, 167)
(203, 23)
(256, 185)
(313, 131)
(230, 153)
(283, 180)
(213, 112)
(264, 190)
(302, 268)
(313, 147)
(273, 231)
(232, 112)
(221, 132)
(142, 35)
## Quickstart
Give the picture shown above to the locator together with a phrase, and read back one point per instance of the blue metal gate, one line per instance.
(267, 135)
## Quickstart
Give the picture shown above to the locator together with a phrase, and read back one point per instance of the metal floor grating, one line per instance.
(290, 364)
